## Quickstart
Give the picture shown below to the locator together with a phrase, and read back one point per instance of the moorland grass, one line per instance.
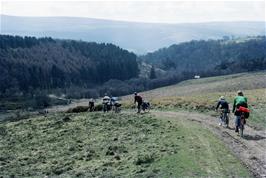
(112, 145)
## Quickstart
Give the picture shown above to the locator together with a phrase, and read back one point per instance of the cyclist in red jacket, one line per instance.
(138, 99)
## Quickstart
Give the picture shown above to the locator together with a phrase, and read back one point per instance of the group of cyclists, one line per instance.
(113, 104)
(240, 110)
(108, 104)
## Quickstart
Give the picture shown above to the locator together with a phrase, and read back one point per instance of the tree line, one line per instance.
(29, 63)
(211, 55)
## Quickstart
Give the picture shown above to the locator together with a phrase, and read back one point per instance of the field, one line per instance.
(110, 145)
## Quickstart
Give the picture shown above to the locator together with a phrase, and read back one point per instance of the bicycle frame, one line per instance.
(224, 117)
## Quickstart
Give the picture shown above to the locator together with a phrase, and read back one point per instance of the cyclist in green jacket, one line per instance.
(240, 100)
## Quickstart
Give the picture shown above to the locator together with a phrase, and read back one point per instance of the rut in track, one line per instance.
(251, 149)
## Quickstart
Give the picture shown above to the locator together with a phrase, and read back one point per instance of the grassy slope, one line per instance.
(106, 145)
(202, 94)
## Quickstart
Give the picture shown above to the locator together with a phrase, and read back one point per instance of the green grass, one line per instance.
(110, 145)
(201, 154)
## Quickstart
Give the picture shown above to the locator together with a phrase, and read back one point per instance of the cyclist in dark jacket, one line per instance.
(138, 99)
(222, 103)
(224, 106)
(91, 105)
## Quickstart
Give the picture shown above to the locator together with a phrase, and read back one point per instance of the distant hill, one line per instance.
(137, 37)
(229, 56)
(29, 63)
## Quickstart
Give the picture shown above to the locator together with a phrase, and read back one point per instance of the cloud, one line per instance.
(142, 11)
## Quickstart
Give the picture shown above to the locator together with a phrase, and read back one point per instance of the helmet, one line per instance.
(222, 98)
(239, 92)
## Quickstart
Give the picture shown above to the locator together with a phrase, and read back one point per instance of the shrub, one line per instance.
(78, 109)
(98, 107)
(144, 159)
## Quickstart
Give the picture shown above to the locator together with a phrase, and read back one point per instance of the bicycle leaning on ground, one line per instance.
(146, 106)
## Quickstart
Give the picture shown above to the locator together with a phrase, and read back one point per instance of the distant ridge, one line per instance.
(138, 37)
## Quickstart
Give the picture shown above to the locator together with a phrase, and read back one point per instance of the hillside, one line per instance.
(201, 95)
(133, 36)
(109, 145)
(212, 56)
(29, 63)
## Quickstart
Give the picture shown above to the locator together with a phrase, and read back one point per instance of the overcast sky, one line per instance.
(147, 11)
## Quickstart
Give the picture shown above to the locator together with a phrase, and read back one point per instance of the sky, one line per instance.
(141, 11)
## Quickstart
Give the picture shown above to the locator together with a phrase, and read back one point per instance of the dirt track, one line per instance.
(251, 149)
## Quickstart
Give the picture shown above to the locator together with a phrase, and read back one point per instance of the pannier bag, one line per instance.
(244, 110)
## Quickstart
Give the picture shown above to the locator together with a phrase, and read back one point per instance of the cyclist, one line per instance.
(106, 103)
(117, 106)
(91, 105)
(138, 99)
(240, 100)
(224, 106)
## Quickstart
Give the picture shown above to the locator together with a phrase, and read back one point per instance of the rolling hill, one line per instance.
(229, 56)
(137, 37)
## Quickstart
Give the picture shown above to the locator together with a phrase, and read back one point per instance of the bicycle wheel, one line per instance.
(148, 108)
(241, 131)
(242, 128)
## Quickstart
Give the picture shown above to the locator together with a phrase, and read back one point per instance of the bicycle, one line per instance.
(224, 117)
(242, 124)
(244, 114)
(107, 107)
(145, 106)
(117, 107)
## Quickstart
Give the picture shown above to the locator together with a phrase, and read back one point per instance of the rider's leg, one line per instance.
(220, 119)
(237, 123)
(226, 119)
(105, 108)
(139, 107)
